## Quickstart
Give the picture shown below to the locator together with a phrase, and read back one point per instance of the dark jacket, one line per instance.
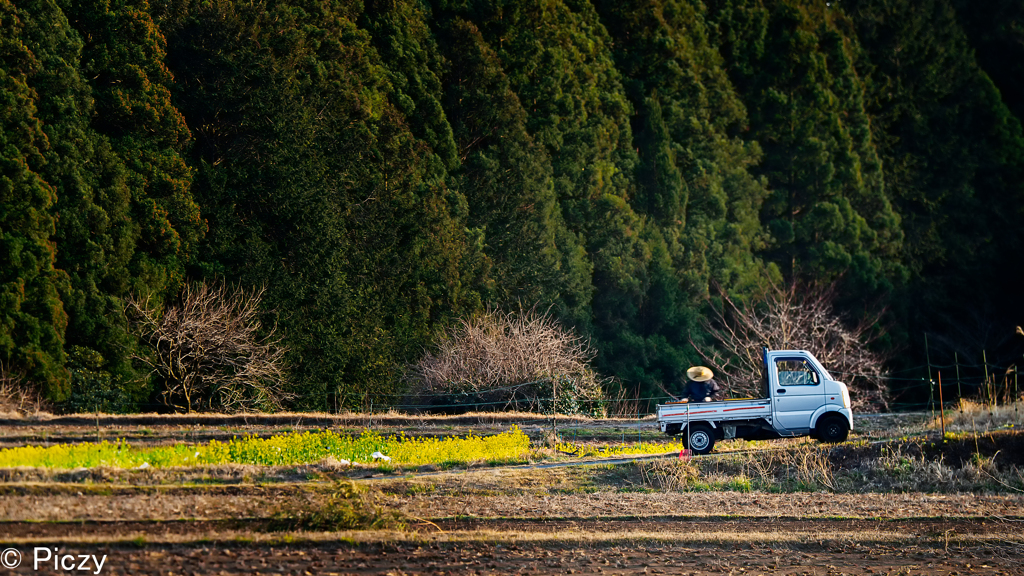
(698, 391)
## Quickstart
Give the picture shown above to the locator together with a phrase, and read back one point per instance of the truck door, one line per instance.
(797, 394)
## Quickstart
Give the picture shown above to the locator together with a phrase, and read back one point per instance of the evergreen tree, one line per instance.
(694, 179)
(315, 185)
(954, 167)
(94, 237)
(828, 213)
(385, 167)
(996, 32)
(506, 177)
(143, 222)
(565, 77)
(32, 318)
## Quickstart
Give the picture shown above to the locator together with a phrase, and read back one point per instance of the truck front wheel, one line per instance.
(699, 438)
(832, 429)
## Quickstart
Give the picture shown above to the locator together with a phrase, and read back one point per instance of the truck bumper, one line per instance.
(849, 416)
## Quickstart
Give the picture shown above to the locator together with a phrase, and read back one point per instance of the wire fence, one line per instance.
(927, 387)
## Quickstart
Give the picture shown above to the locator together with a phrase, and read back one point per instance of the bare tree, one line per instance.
(511, 360)
(795, 319)
(17, 396)
(209, 352)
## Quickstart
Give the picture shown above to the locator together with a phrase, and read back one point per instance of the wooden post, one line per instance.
(959, 392)
(931, 384)
(991, 392)
(554, 400)
(942, 412)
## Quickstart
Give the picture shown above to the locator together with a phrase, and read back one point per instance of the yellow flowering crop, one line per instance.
(596, 451)
(278, 450)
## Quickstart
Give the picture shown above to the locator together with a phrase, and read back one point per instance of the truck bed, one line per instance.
(741, 409)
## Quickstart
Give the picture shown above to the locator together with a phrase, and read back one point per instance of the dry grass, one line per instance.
(684, 536)
(359, 419)
(896, 467)
(344, 506)
(973, 416)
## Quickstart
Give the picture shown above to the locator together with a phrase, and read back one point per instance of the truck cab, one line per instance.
(799, 398)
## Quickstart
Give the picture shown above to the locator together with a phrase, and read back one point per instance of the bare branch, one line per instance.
(208, 350)
(18, 397)
(800, 319)
(510, 358)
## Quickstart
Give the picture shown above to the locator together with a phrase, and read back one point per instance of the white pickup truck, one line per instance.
(799, 398)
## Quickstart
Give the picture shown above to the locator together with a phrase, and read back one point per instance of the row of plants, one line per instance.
(279, 450)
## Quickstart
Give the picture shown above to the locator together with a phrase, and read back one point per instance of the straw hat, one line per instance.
(700, 374)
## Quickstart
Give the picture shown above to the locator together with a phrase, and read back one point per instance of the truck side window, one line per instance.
(796, 372)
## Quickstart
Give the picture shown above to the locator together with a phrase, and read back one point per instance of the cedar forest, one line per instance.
(386, 167)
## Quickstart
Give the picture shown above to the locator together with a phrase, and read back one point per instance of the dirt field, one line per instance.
(595, 519)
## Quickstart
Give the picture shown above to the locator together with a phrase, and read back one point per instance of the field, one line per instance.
(507, 494)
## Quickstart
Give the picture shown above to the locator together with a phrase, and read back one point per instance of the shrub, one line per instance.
(344, 507)
(516, 360)
(209, 350)
(17, 396)
(796, 319)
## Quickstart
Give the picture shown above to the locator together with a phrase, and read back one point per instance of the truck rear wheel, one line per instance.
(832, 429)
(699, 438)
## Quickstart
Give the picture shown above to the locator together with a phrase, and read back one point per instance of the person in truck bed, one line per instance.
(702, 386)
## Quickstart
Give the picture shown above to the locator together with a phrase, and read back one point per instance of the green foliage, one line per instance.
(954, 157)
(828, 214)
(386, 167)
(32, 317)
(315, 184)
(693, 182)
(507, 179)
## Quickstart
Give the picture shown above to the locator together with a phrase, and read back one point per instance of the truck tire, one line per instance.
(699, 438)
(832, 429)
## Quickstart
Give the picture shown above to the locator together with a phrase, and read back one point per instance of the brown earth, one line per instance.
(587, 520)
(788, 547)
(488, 494)
(493, 528)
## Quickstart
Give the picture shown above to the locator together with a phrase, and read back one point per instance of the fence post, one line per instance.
(931, 385)
(554, 400)
(1016, 397)
(959, 393)
(942, 411)
(991, 392)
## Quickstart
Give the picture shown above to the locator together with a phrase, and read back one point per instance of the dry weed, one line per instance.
(344, 506)
(668, 474)
(981, 417)
(18, 399)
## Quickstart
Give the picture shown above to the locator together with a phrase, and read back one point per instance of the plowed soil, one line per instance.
(589, 520)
